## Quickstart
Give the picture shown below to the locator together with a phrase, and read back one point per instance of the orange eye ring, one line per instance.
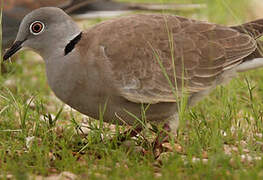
(37, 27)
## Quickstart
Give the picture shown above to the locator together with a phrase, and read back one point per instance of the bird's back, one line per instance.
(152, 58)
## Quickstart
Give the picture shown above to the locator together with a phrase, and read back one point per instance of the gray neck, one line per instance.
(63, 74)
(55, 47)
(60, 68)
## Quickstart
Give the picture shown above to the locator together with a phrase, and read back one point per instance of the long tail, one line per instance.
(258, 53)
(253, 28)
(253, 61)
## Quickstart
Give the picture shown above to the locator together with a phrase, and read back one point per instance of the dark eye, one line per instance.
(37, 27)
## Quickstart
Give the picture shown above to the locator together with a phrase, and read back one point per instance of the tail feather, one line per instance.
(253, 28)
(258, 53)
(253, 61)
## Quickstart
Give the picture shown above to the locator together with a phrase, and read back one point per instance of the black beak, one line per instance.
(15, 47)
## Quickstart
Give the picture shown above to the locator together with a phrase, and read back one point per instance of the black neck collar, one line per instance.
(71, 45)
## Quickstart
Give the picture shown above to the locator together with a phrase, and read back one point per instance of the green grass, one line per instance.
(228, 121)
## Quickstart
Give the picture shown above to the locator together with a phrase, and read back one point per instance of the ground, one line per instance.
(220, 138)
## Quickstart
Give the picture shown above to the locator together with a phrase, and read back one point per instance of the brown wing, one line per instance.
(153, 58)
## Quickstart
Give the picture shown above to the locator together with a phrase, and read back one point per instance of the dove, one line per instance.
(138, 67)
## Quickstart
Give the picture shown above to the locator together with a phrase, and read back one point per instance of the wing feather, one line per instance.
(156, 58)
